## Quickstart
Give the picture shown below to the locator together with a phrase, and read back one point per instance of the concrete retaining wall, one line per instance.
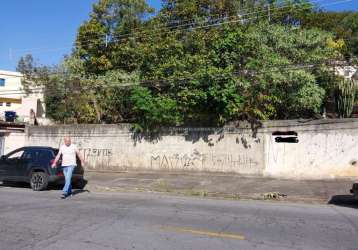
(325, 148)
(13, 140)
(113, 147)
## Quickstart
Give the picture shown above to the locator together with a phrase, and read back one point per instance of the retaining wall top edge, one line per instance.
(261, 126)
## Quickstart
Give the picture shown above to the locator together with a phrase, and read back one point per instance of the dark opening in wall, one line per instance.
(287, 133)
(285, 136)
(286, 140)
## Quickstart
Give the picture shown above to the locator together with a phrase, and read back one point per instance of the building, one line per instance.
(14, 98)
(348, 72)
(12, 136)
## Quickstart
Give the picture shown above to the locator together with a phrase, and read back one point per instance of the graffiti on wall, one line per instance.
(202, 161)
(96, 157)
(231, 160)
(176, 161)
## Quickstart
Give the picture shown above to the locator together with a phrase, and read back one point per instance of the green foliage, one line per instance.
(153, 111)
(111, 93)
(264, 54)
(26, 65)
(134, 67)
(345, 97)
(67, 98)
(344, 25)
(72, 96)
(99, 41)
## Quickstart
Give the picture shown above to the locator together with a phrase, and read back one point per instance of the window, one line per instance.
(1, 103)
(29, 154)
(16, 155)
(45, 157)
(2, 82)
(8, 104)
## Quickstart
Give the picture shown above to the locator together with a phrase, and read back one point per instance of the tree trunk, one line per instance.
(97, 109)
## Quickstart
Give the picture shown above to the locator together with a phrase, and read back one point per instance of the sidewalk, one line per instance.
(220, 185)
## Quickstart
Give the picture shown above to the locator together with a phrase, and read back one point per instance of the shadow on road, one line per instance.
(77, 188)
(344, 201)
(14, 184)
(79, 191)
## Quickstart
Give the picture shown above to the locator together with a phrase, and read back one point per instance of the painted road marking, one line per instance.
(205, 233)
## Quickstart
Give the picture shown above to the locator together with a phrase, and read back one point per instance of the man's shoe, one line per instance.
(64, 196)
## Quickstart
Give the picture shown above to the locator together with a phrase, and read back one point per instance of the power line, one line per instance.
(235, 20)
(326, 62)
(240, 20)
(181, 26)
(186, 23)
(128, 35)
(273, 66)
(167, 81)
(190, 21)
(218, 19)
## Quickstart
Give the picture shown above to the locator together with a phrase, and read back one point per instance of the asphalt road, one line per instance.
(41, 220)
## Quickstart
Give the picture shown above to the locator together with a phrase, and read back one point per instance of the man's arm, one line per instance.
(80, 156)
(56, 159)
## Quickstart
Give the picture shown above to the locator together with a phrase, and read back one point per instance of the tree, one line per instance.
(153, 112)
(344, 25)
(26, 65)
(72, 96)
(99, 41)
(248, 11)
(217, 75)
(202, 63)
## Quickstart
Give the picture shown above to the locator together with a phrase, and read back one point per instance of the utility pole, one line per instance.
(106, 40)
(269, 13)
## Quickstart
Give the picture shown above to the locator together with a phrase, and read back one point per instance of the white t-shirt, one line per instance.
(68, 155)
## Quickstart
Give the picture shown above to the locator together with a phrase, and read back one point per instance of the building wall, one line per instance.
(19, 102)
(112, 147)
(325, 148)
(12, 83)
(13, 140)
(346, 71)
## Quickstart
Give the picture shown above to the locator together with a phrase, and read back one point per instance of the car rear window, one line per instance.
(46, 156)
(41, 157)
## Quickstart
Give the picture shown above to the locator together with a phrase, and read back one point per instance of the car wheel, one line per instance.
(39, 181)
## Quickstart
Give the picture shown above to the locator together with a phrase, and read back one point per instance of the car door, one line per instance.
(22, 169)
(45, 158)
(8, 165)
(2, 167)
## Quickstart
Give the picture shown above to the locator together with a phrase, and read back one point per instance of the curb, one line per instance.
(208, 195)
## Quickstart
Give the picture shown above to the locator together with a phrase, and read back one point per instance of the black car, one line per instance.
(33, 165)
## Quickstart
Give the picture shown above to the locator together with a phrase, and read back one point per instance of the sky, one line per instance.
(47, 28)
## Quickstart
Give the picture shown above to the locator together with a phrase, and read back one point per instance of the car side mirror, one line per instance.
(3, 157)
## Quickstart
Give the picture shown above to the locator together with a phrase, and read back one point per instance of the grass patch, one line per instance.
(161, 186)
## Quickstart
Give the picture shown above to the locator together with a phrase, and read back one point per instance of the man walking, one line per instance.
(69, 162)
